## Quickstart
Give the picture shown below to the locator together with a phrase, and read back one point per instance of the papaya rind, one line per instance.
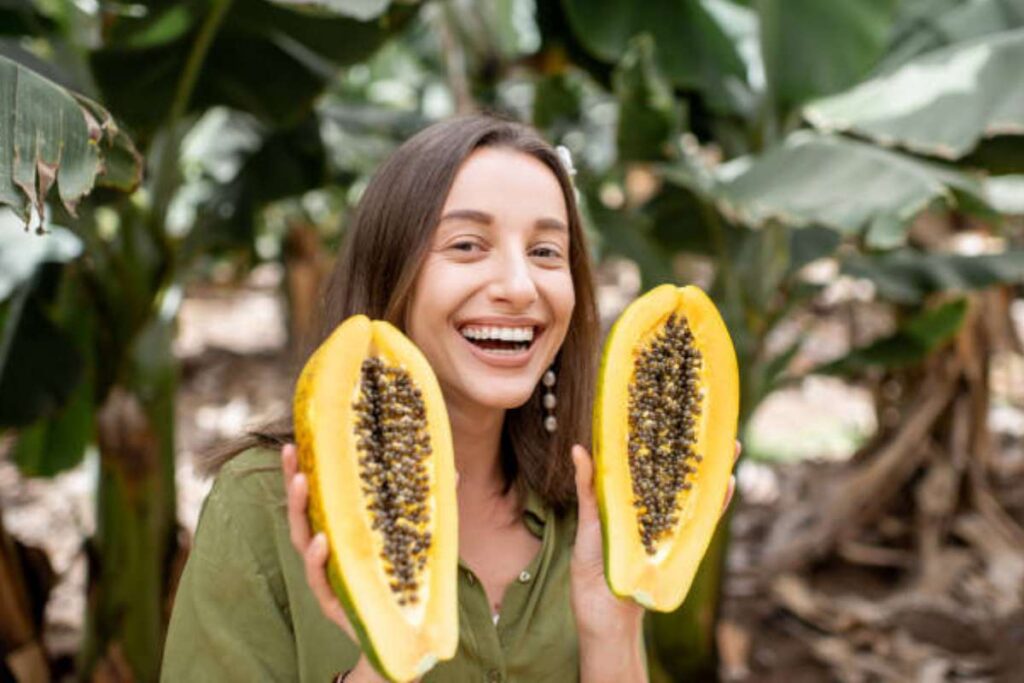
(687, 546)
(357, 335)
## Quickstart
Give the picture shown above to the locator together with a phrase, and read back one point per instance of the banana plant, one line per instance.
(114, 301)
(809, 128)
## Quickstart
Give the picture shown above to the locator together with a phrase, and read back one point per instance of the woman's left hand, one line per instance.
(600, 614)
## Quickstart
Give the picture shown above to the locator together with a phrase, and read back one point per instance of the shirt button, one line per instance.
(524, 576)
(493, 676)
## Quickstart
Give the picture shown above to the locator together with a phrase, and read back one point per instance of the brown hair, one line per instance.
(380, 259)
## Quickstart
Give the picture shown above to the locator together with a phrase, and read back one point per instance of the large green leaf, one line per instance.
(57, 442)
(810, 244)
(510, 26)
(50, 137)
(684, 219)
(268, 59)
(909, 345)
(813, 48)
(650, 118)
(242, 166)
(39, 365)
(490, 35)
(363, 10)
(22, 252)
(907, 276)
(743, 26)
(844, 184)
(358, 137)
(694, 51)
(926, 25)
(1006, 194)
(942, 103)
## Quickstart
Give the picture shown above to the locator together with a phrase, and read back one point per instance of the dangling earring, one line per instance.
(549, 400)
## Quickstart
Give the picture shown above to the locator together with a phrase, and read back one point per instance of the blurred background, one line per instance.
(845, 178)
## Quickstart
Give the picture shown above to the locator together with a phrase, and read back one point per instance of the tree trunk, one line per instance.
(306, 268)
(20, 619)
(684, 640)
(135, 541)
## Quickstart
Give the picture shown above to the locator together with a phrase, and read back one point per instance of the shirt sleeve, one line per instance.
(228, 624)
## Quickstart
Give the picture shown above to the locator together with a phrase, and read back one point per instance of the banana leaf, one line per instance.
(941, 104)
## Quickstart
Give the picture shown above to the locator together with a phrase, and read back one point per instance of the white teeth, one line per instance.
(513, 334)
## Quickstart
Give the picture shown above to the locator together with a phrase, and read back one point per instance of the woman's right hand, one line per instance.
(314, 555)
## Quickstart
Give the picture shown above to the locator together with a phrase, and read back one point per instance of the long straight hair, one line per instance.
(382, 252)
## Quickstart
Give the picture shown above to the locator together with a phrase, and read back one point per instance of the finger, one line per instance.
(739, 449)
(316, 575)
(584, 485)
(728, 492)
(298, 530)
(289, 462)
(298, 523)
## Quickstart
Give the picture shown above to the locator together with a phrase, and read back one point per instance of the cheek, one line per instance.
(437, 293)
(562, 298)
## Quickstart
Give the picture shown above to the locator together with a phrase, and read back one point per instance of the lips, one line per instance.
(503, 354)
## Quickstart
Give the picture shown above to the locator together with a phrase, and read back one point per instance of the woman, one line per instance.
(471, 225)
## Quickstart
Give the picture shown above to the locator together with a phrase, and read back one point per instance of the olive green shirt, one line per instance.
(244, 612)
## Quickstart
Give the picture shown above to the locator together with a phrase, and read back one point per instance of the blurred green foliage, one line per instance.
(755, 138)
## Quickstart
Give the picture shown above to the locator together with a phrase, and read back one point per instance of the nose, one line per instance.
(513, 282)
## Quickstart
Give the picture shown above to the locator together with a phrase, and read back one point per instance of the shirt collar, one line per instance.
(535, 512)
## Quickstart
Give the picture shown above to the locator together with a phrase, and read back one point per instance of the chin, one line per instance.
(505, 400)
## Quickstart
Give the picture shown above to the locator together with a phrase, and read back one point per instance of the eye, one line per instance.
(547, 252)
(465, 246)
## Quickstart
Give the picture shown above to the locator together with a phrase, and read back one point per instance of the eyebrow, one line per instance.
(546, 222)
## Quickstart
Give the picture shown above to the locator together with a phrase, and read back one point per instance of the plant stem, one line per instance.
(733, 293)
(183, 94)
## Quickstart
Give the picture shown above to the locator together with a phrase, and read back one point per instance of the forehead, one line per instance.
(508, 184)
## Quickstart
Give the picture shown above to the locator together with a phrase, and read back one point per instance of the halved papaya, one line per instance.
(374, 440)
(665, 423)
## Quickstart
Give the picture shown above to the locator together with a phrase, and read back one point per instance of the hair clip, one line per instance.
(565, 156)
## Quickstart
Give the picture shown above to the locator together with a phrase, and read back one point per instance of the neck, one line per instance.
(476, 439)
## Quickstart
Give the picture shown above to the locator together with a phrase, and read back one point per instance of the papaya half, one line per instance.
(374, 440)
(665, 420)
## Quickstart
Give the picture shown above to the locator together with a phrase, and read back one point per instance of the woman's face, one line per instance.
(492, 302)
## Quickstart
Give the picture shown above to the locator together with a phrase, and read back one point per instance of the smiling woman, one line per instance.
(469, 240)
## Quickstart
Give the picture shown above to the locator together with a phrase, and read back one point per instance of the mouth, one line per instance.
(501, 341)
